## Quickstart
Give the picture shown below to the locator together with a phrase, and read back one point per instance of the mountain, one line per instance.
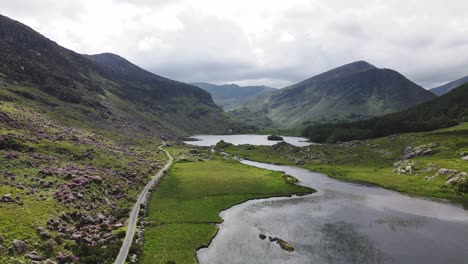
(79, 137)
(444, 111)
(449, 86)
(354, 91)
(230, 96)
(102, 88)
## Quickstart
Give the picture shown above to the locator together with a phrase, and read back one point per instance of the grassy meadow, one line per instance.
(185, 207)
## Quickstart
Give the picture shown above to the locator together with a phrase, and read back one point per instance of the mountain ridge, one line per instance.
(105, 84)
(230, 96)
(445, 88)
(353, 91)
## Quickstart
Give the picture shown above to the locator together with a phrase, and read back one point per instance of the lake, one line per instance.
(211, 140)
(341, 223)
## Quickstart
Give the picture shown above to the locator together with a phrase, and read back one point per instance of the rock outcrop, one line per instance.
(419, 151)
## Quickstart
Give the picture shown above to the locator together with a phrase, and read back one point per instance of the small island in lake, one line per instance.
(275, 138)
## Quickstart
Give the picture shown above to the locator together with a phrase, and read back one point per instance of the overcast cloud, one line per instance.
(256, 42)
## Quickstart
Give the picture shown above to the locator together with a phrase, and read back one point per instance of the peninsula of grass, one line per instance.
(371, 161)
(185, 207)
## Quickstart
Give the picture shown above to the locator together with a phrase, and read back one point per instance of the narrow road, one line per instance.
(132, 221)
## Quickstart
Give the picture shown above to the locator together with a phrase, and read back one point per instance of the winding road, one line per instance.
(132, 221)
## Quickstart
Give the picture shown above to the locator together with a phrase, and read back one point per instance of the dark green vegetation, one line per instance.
(445, 111)
(432, 164)
(231, 96)
(351, 92)
(185, 207)
(443, 89)
(275, 138)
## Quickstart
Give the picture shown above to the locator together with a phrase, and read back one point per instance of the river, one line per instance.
(341, 223)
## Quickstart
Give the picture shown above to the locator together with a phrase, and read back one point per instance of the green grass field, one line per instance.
(185, 207)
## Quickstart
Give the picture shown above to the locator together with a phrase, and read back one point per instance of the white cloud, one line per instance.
(254, 41)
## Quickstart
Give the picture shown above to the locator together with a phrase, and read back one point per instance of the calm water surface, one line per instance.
(211, 140)
(341, 223)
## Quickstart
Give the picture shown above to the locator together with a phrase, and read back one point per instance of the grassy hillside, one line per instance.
(431, 164)
(441, 112)
(354, 91)
(78, 141)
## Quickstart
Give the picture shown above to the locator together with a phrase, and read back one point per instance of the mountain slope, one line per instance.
(444, 111)
(443, 89)
(105, 85)
(230, 96)
(79, 139)
(351, 92)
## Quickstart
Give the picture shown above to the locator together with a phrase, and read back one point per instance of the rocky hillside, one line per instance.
(231, 96)
(351, 92)
(78, 141)
(443, 89)
(104, 86)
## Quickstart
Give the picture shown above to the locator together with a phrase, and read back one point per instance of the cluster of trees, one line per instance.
(445, 111)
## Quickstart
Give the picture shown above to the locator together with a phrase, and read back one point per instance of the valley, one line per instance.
(103, 161)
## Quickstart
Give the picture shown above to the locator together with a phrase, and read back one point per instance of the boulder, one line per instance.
(7, 198)
(20, 246)
(465, 158)
(459, 180)
(33, 255)
(96, 179)
(444, 171)
(49, 261)
(404, 167)
(420, 151)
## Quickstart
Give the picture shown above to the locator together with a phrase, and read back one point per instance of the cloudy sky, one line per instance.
(252, 42)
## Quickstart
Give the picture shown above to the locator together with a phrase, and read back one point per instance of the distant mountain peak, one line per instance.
(443, 89)
(360, 63)
(354, 91)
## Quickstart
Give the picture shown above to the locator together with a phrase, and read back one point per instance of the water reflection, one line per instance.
(341, 223)
(211, 140)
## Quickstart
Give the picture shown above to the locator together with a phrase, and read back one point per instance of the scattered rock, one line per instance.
(49, 261)
(33, 255)
(404, 167)
(458, 181)
(420, 151)
(20, 246)
(300, 162)
(96, 179)
(7, 198)
(444, 171)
